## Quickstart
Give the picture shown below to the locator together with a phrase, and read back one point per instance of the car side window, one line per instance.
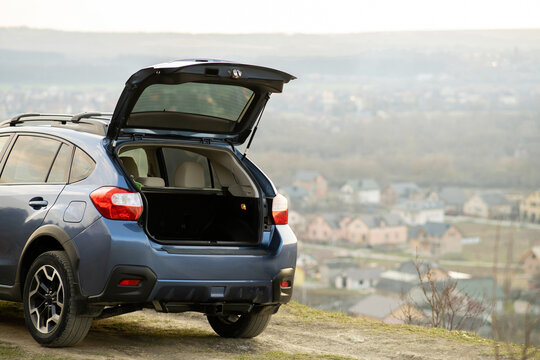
(82, 166)
(30, 160)
(141, 160)
(3, 143)
(60, 169)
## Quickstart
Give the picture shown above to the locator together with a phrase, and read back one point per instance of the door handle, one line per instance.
(37, 203)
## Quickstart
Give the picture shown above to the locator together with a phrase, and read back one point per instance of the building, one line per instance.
(529, 208)
(531, 261)
(376, 230)
(453, 199)
(331, 268)
(314, 183)
(326, 228)
(397, 192)
(436, 239)
(358, 279)
(391, 310)
(365, 191)
(492, 205)
(419, 212)
(483, 290)
(398, 283)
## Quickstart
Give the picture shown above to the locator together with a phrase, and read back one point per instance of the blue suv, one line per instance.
(152, 206)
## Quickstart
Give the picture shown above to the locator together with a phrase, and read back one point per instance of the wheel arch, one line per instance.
(46, 238)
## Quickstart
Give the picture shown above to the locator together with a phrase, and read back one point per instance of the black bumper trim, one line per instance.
(283, 295)
(115, 293)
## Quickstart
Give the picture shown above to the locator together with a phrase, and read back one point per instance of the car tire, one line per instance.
(239, 326)
(50, 310)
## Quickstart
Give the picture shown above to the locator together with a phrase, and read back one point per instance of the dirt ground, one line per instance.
(296, 332)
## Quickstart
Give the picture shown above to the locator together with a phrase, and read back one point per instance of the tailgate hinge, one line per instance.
(136, 137)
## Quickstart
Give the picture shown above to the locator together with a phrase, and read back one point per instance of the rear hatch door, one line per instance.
(208, 99)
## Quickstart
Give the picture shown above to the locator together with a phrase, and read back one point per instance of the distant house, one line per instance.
(314, 183)
(331, 268)
(357, 278)
(365, 191)
(326, 228)
(531, 261)
(483, 290)
(493, 205)
(436, 239)
(453, 199)
(529, 208)
(419, 212)
(396, 192)
(296, 195)
(396, 282)
(376, 230)
(388, 309)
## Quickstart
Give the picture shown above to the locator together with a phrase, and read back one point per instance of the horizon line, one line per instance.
(286, 33)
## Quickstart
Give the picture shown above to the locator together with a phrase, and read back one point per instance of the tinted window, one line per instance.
(140, 158)
(215, 100)
(60, 169)
(30, 160)
(82, 166)
(174, 157)
(3, 143)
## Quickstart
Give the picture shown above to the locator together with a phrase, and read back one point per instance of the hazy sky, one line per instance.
(289, 16)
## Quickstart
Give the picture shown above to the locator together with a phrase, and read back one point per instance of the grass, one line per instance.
(13, 352)
(159, 328)
(137, 325)
(306, 313)
(279, 355)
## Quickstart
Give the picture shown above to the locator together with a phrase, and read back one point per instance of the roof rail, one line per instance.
(86, 115)
(18, 118)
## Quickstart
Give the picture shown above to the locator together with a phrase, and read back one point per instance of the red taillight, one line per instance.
(129, 282)
(117, 204)
(280, 210)
(285, 284)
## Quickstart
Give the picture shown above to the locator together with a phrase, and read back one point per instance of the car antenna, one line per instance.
(256, 126)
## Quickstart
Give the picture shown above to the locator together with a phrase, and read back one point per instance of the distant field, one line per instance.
(485, 251)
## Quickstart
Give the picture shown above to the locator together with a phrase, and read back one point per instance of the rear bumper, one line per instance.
(186, 275)
(185, 292)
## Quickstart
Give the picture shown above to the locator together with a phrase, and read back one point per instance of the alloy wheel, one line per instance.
(46, 299)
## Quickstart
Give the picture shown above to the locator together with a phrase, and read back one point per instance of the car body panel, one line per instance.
(18, 220)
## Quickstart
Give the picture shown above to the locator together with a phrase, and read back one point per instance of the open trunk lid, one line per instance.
(208, 99)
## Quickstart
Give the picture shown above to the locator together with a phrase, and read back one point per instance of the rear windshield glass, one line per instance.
(216, 100)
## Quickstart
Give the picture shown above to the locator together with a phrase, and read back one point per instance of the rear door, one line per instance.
(207, 99)
(34, 172)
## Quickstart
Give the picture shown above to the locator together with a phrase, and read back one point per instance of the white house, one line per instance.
(361, 191)
(419, 212)
(356, 279)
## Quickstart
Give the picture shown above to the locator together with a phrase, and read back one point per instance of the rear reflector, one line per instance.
(117, 203)
(129, 282)
(280, 210)
(285, 284)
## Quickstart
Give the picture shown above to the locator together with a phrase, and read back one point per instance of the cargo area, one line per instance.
(194, 195)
